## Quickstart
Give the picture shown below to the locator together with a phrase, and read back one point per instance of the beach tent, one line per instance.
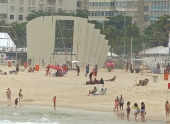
(156, 50)
(6, 41)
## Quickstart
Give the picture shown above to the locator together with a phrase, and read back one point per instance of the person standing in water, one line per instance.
(143, 110)
(128, 110)
(54, 100)
(16, 102)
(20, 94)
(136, 110)
(121, 102)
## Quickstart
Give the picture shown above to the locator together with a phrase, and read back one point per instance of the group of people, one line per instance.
(61, 71)
(95, 81)
(120, 102)
(96, 92)
(20, 96)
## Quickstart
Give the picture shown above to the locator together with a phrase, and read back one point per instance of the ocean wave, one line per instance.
(16, 113)
(10, 122)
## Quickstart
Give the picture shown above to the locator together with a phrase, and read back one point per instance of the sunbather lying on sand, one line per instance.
(31, 70)
(93, 91)
(112, 79)
(142, 82)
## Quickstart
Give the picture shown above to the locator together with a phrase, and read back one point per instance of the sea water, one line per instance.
(47, 115)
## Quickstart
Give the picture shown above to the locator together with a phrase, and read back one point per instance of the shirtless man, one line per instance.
(8, 93)
(20, 95)
(54, 100)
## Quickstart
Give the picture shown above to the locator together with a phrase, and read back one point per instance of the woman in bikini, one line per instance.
(116, 104)
(128, 110)
(143, 110)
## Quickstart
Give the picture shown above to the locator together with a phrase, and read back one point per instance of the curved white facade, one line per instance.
(89, 46)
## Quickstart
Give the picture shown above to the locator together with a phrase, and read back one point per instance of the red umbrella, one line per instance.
(50, 66)
(110, 64)
(57, 67)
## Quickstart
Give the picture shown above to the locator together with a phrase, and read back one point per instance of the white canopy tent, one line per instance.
(156, 50)
(6, 41)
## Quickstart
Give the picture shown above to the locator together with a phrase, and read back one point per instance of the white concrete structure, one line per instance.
(17, 10)
(89, 46)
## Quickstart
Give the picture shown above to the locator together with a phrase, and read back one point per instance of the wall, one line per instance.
(87, 42)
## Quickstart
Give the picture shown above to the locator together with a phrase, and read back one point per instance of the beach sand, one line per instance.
(72, 93)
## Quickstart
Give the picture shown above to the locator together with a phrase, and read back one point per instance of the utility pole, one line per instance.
(104, 15)
(124, 28)
(131, 42)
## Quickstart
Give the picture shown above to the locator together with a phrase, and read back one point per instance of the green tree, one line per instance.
(20, 29)
(112, 34)
(157, 33)
(82, 13)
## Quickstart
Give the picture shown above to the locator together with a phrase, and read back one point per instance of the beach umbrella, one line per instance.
(110, 64)
(57, 67)
(50, 66)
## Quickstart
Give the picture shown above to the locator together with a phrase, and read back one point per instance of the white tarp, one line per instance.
(6, 41)
(156, 50)
(113, 54)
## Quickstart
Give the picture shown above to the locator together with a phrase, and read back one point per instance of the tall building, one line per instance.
(83, 4)
(100, 9)
(17, 10)
(159, 8)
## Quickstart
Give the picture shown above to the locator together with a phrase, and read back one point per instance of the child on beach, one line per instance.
(54, 100)
(16, 102)
(116, 104)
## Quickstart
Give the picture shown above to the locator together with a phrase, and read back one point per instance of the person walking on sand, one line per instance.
(16, 102)
(128, 110)
(167, 108)
(78, 70)
(20, 94)
(54, 100)
(143, 110)
(121, 102)
(127, 67)
(8, 93)
(96, 70)
(116, 104)
(17, 69)
(136, 110)
(87, 70)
